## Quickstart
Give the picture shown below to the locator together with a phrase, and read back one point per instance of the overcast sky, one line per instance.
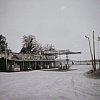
(63, 23)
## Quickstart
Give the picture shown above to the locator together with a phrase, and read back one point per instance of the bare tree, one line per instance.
(29, 44)
(49, 47)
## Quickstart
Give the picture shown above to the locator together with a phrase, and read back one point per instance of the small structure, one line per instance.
(59, 63)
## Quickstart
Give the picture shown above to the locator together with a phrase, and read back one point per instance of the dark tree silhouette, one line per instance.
(29, 44)
(3, 43)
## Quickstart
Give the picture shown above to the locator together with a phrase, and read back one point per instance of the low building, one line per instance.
(19, 62)
(13, 61)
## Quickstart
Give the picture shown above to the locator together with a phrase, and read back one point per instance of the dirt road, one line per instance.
(49, 85)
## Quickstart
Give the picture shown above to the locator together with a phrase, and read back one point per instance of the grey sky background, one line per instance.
(63, 23)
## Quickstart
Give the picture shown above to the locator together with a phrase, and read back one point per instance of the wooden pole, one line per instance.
(98, 52)
(94, 52)
(90, 52)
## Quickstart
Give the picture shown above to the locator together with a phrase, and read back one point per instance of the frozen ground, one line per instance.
(49, 85)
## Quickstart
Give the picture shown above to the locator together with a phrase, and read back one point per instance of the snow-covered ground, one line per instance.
(49, 85)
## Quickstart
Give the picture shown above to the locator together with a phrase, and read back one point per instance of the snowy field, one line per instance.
(49, 85)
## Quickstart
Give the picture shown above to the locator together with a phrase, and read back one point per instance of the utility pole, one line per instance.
(67, 62)
(90, 51)
(98, 51)
(94, 52)
(6, 55)
(60, 59)
(23, 61)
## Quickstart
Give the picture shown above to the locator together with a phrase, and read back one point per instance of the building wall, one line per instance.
(21, 56)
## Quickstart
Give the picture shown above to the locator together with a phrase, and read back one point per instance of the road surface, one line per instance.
(49, 85)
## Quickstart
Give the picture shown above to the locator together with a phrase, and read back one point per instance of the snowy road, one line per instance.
(49, 85)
